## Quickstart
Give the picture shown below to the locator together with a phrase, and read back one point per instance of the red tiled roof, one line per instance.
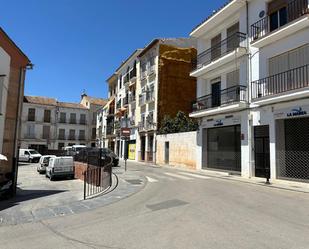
(40, 100)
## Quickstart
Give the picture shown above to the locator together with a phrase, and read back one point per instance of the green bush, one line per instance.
(180, 123)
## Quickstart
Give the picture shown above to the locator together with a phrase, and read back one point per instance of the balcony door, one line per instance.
(232, 38)
(216, 94)
(216, 47)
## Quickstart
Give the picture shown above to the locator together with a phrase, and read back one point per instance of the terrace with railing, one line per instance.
(269, 23)
(217, 51)
(227, 96)
(280, 83)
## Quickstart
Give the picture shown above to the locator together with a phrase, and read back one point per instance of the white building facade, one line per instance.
(51, 125)
(252, 89)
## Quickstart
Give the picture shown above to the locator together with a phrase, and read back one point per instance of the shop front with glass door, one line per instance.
(224, 148)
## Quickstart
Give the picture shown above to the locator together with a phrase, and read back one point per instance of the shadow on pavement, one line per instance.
(25, 195)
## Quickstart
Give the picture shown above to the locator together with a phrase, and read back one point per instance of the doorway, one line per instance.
(167, 152)
(261, 150)
(216, 94)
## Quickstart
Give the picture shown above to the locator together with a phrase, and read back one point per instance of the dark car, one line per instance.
(90, 155)
(109, 152)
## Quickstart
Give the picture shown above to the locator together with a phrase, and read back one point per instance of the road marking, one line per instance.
(151, 179)
(178, 176)
(162, 177)
(194, 175)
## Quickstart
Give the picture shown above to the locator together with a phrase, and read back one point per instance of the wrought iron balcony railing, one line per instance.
(61, 137)
(132, 98)
(126, 100)
(217, 51)
(150, 96)
(229, 95)
(30, 136)
(294, 10)
(142, 99)
(71, 137)
(290, 80)
(110, 130)
(118, 104)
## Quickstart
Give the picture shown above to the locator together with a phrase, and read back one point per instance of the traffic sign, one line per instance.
(125, 132)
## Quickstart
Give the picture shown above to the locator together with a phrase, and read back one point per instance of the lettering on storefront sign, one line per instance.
(296, 112)
(218, 122)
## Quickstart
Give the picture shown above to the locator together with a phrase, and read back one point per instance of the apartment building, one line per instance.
(252, 89)
(13, 66)
(164, 88)
(48, 124)
(125, 108)
(151, 83)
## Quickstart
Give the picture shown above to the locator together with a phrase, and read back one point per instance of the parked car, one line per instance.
(73, 150)
(29, 155)
(60, 167)
(109, 152)
(43, 163)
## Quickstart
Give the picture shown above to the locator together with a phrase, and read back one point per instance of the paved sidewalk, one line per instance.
(16, 211)
(302, 187)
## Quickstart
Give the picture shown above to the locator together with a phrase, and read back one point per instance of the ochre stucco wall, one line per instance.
(182, 149)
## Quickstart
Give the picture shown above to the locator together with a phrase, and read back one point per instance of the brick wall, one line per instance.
(9, 137)
(79, 169)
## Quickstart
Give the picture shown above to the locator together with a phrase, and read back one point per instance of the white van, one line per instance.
(77, 148)
(60, 166)
(43, 163)
(68, 150)
(29, 155)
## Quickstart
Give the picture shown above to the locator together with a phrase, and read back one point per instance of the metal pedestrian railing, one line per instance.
(98, 174)
(97, 180)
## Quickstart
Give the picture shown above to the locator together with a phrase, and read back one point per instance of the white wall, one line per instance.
(182, 149)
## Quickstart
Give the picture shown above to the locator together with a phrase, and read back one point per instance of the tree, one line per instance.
(181, 123)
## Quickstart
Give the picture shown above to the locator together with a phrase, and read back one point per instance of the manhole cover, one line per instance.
(134, 181)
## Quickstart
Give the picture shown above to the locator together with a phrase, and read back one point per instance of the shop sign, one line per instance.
(296, 112)
(218, 122)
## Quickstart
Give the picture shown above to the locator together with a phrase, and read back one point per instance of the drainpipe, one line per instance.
(249, 78)
(16, 133)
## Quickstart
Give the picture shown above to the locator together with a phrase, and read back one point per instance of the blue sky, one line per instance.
(77, 44)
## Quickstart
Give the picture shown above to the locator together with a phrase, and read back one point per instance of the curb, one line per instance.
(123, 189)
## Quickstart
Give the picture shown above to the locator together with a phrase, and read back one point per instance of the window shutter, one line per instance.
(232, 79)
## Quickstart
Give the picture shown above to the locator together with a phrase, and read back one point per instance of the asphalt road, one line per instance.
(178, 210)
